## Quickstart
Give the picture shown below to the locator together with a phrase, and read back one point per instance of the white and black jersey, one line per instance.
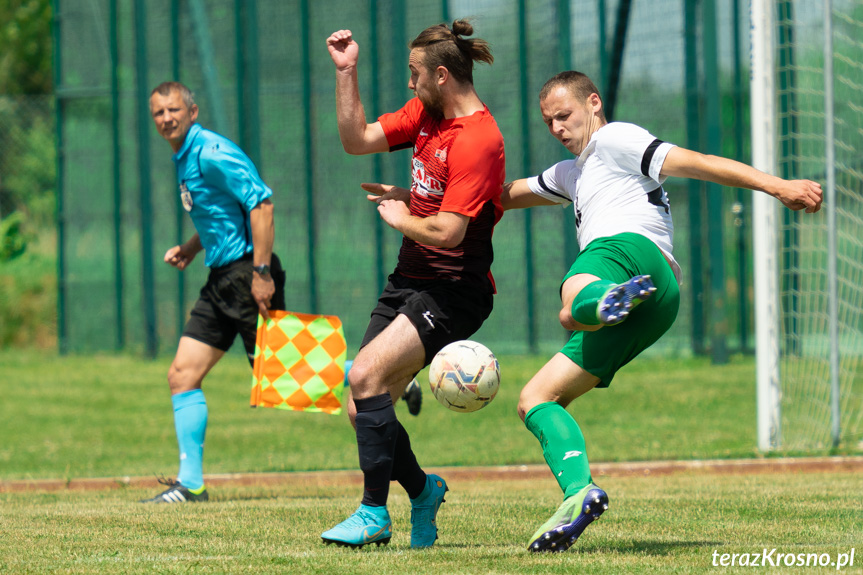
(615, 187)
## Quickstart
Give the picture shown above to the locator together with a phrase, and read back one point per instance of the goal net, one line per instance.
(807, 110)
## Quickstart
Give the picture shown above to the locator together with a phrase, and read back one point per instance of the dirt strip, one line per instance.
(499, 473)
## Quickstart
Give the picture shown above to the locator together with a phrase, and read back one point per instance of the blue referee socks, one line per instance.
(190, 422)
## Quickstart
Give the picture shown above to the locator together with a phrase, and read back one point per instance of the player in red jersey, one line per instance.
(441, 290)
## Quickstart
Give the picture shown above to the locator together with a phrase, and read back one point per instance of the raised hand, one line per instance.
(343, 50)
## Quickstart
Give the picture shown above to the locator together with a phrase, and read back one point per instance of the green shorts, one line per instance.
(618, 258)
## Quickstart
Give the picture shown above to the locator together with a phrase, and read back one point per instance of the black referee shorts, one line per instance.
(442, 311)
(226, 307)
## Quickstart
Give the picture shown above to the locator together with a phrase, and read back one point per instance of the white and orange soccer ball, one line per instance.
(464, 376)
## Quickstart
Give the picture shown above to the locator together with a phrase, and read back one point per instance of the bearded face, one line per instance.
(423, 82)
(432, 101)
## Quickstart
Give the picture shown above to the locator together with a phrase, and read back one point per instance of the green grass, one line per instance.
(654, 525)
(110, 416)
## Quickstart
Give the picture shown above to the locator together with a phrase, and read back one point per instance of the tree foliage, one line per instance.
(25, 47)
(27, 159)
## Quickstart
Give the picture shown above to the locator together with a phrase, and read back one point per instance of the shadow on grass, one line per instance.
(650, 547)
(228, 497)
(653, 548)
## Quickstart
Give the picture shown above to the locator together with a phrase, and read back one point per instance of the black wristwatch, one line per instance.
(263, 270)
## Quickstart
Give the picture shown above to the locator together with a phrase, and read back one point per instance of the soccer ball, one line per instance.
(464, 376)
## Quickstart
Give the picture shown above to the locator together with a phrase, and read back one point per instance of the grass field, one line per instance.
(107, 416)
(654, 525)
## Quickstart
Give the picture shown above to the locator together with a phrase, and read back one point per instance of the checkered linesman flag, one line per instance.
(299, 362)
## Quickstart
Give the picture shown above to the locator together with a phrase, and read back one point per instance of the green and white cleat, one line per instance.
(570, 520)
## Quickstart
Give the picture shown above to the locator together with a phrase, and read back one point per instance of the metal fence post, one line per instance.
(615, 70)
(603, 45)
(248, 108)
(178, 203)
(56, 28)
(377, 168)
(694, 187)
(143, 117)
(718, 313)
(309, 145)
(526, 169)
(564, 49)
(120, 339)
(201, 31)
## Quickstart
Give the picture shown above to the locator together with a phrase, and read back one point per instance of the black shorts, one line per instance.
(442, 311)
(226, 307)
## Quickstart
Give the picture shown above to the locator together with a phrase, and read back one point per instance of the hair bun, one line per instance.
(462, 28)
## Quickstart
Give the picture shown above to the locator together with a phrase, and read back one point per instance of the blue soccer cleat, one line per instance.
(424, 512)
(619, 301)
(367, 525)
(570, 520)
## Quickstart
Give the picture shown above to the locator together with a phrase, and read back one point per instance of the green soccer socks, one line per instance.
(584, 306)
(562, 445)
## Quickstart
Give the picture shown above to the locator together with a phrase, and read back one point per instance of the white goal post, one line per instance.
(764, 225)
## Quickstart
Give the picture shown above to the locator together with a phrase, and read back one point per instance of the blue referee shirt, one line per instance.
(219, 186)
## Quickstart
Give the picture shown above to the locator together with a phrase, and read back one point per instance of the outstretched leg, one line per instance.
(542, 406)
(608, 279)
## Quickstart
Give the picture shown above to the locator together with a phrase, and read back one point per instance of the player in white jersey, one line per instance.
(624, 227)
(615, 186)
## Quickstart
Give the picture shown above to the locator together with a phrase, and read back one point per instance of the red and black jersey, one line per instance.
(458, 166)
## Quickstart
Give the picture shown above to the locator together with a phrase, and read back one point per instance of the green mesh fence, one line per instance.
(263, 77)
